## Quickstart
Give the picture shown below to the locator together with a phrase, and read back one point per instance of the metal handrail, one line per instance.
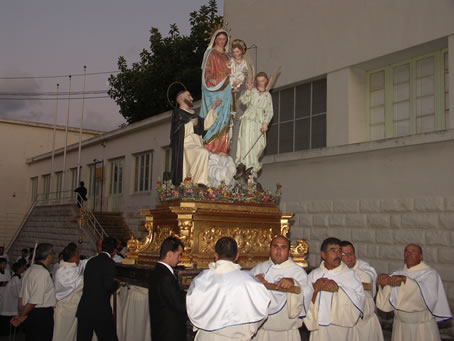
(85, 210)
(22, 224)
(58, 198)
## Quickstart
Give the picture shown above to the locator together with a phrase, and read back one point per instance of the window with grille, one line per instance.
(58, 184)
(410, 97)
(299, 121)
(34, 188)
(46, 186)
(74, 180)
(142, 178)
(116, 176)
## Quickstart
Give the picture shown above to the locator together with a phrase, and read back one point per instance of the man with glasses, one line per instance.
(338, 298)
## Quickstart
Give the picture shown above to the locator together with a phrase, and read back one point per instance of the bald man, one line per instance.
(189, 157)
(417, 297)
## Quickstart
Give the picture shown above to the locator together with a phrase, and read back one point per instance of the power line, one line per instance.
(60, 76)
(50, 99)
(91, 92)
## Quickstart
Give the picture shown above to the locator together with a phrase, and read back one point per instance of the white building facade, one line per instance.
(19, 141)
(362, 138)
(119, 168)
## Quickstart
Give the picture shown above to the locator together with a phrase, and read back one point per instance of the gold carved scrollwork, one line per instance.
(285, 227)
(299, 251)
(159, 235)
(134, 245)
(186, 228)
(249, 240)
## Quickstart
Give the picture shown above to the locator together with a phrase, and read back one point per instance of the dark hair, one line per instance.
(180, 93)
(169, 244)
(17, 266)
(280, 237)
(347, 243)
(108, 245)
(226, 248)
(69, 251)
(81, 184)
(221, 33)
(2, 260)
(43, 250)
(24, 250)
(329, 241)
(22, 261)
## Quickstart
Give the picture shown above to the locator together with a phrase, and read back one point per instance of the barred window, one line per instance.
(116, 176)
(34, 192)
(58, 184)
(74, 180)
(46, 186)
(142, 178)
(299, 121)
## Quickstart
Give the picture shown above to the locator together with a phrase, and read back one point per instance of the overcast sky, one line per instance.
(59, 37)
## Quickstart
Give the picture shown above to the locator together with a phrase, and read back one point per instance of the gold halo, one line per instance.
(168, 90)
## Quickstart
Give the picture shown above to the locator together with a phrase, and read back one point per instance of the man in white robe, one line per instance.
(68, 288)
(338, 298)
(287, 310)
(367, 328)
(223, 302)
(417, 297)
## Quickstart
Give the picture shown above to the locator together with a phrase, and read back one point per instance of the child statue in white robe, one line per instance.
(238, 65)
(254, 123)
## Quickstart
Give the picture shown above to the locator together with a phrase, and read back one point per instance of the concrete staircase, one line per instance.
(55, 224)
(114, 225)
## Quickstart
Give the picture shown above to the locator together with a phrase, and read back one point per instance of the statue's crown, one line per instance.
(221, 25)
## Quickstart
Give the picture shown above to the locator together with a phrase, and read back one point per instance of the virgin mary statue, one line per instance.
(216, 84)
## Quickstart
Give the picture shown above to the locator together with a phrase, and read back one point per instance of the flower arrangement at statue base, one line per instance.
(228, 193)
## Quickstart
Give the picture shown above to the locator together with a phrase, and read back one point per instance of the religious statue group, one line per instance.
(335, 301)
(201, 143)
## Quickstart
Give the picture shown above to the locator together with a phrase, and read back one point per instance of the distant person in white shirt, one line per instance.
(8, 301)
(23, 256)
(37, 297)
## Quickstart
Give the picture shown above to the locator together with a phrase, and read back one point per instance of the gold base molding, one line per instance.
(199, 224)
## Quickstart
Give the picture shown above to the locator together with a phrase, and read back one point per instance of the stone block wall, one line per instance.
(380, 228)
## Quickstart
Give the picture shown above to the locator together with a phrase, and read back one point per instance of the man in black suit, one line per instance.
(167, 302)
(94, 312)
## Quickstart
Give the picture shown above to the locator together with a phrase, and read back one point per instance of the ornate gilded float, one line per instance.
(200, 223)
